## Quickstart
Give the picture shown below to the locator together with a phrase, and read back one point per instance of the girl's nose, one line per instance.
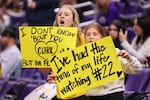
(62, 15)
(91, 36)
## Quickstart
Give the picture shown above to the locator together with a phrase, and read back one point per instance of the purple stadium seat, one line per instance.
(28, 72)
(27, 90)
(137, 82)
(33, 73)
(1, 83)
(144, 4)
(28, 75)
(129, 11)
(6, 87)
(32, 81)
(88, 12)
(148, 87)
(87, 9)
(121, 6)
(1, 86)
(132, 8)
(17, 88)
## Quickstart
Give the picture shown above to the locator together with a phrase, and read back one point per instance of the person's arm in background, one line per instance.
(125, 44)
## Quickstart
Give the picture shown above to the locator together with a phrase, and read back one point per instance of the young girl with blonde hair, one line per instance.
(113, 90)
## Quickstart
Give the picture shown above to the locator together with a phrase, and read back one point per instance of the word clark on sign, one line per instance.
(86, 67)
(40, 43)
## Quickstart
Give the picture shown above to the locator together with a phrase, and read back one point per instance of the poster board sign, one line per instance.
(44, 92)
(40, 43)
(86, 67)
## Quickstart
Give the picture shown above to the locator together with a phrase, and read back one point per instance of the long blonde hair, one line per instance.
(75, 21)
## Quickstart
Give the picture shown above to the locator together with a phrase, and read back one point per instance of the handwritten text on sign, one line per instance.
(86, 67)
(39, 44)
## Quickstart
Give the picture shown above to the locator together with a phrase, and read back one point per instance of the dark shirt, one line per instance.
(44, 13)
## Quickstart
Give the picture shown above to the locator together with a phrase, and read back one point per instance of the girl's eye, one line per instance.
(87, 34)
(112, 29)
(95, 34)
(66, 14)
(59, 14)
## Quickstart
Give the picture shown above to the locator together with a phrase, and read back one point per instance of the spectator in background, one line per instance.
(4, 17)
(140, 46)
(107, 11)
(10, 56)
(2, 23)
(114, 29)
(16, 13)
(39, 12)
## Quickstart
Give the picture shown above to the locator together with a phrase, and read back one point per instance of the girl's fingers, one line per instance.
(123, 54)
(51, 78)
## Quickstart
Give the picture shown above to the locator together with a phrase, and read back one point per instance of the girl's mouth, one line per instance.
(62, 22)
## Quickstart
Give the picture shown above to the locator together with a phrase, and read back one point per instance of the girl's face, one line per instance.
(138, 30)
(113, 31)
(65, 17)
(92, 35)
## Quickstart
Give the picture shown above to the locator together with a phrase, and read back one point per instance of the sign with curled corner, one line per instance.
(44, 92)
(40, 43)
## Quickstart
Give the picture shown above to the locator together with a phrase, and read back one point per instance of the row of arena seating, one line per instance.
(138, 83)
(20, 87)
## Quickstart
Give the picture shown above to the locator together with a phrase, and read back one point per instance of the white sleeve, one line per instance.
(132, 51)
(131, 66)
(145, 48)
(10, 63)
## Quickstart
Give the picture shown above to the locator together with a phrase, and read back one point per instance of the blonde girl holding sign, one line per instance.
(113, 90)
(67, 16)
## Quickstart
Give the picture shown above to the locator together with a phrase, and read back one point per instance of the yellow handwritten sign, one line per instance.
(86, 67)
(39, 44)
